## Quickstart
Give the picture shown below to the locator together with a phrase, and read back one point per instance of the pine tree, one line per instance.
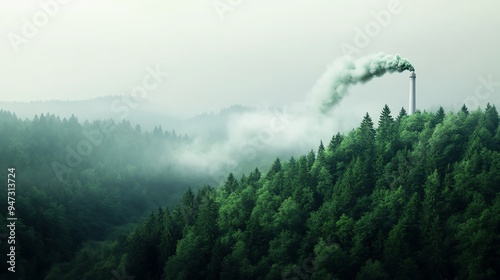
(365, 149)
(491, 118)
(402, 114)
(439, 117)
(168, 238)
(254, 177)
(335, 142)
(432, 239)
(385, 121)
(464, 110)
(187, 208)
(206, 227)
(311, 158)
(231, 184)
(321, 154)
(366, 138)
(275, 168)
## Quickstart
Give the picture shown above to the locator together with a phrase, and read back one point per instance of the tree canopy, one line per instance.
(417, 197)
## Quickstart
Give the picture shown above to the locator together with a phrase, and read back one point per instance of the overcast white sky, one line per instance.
(263, 52)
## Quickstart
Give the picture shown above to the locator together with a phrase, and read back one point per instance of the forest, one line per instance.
(70, 192)
(408, 197)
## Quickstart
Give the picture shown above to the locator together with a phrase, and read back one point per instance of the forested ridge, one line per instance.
(108, 181)
(415, 197)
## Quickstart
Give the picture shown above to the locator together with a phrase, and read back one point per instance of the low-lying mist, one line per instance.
(255, 137)
(238, 138)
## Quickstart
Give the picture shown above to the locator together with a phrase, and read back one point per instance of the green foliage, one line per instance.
(372, 270)
(79, 182)
(415, 198)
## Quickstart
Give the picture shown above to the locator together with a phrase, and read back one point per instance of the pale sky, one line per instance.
(262, 52)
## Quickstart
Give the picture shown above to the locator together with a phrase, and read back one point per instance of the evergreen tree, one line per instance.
(439, 117)
(401, 115)
(431, 233)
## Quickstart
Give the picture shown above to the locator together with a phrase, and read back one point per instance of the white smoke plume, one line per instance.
(293, 129)
(346, 71)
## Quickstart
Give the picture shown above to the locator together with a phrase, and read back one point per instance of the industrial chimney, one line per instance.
(413, 94)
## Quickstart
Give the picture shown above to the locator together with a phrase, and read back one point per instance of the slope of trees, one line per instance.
(77, 182)
(417, 197)
(414, 197)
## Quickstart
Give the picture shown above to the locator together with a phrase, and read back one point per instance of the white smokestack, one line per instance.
(346, 71)
(413, 94)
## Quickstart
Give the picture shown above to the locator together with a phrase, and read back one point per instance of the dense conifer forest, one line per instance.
(77, 182)
(413, 197)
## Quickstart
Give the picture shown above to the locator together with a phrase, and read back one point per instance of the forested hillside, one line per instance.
(146, 113)
(417, 197)
(78, 182)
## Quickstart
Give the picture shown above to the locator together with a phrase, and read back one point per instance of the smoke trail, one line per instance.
(345, 71)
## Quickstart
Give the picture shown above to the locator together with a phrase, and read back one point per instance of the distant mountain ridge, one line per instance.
(147, 114)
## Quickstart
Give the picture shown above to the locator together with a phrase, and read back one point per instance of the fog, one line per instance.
(239, 138)
(264, 56)
(256, 137)
(291, 130)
